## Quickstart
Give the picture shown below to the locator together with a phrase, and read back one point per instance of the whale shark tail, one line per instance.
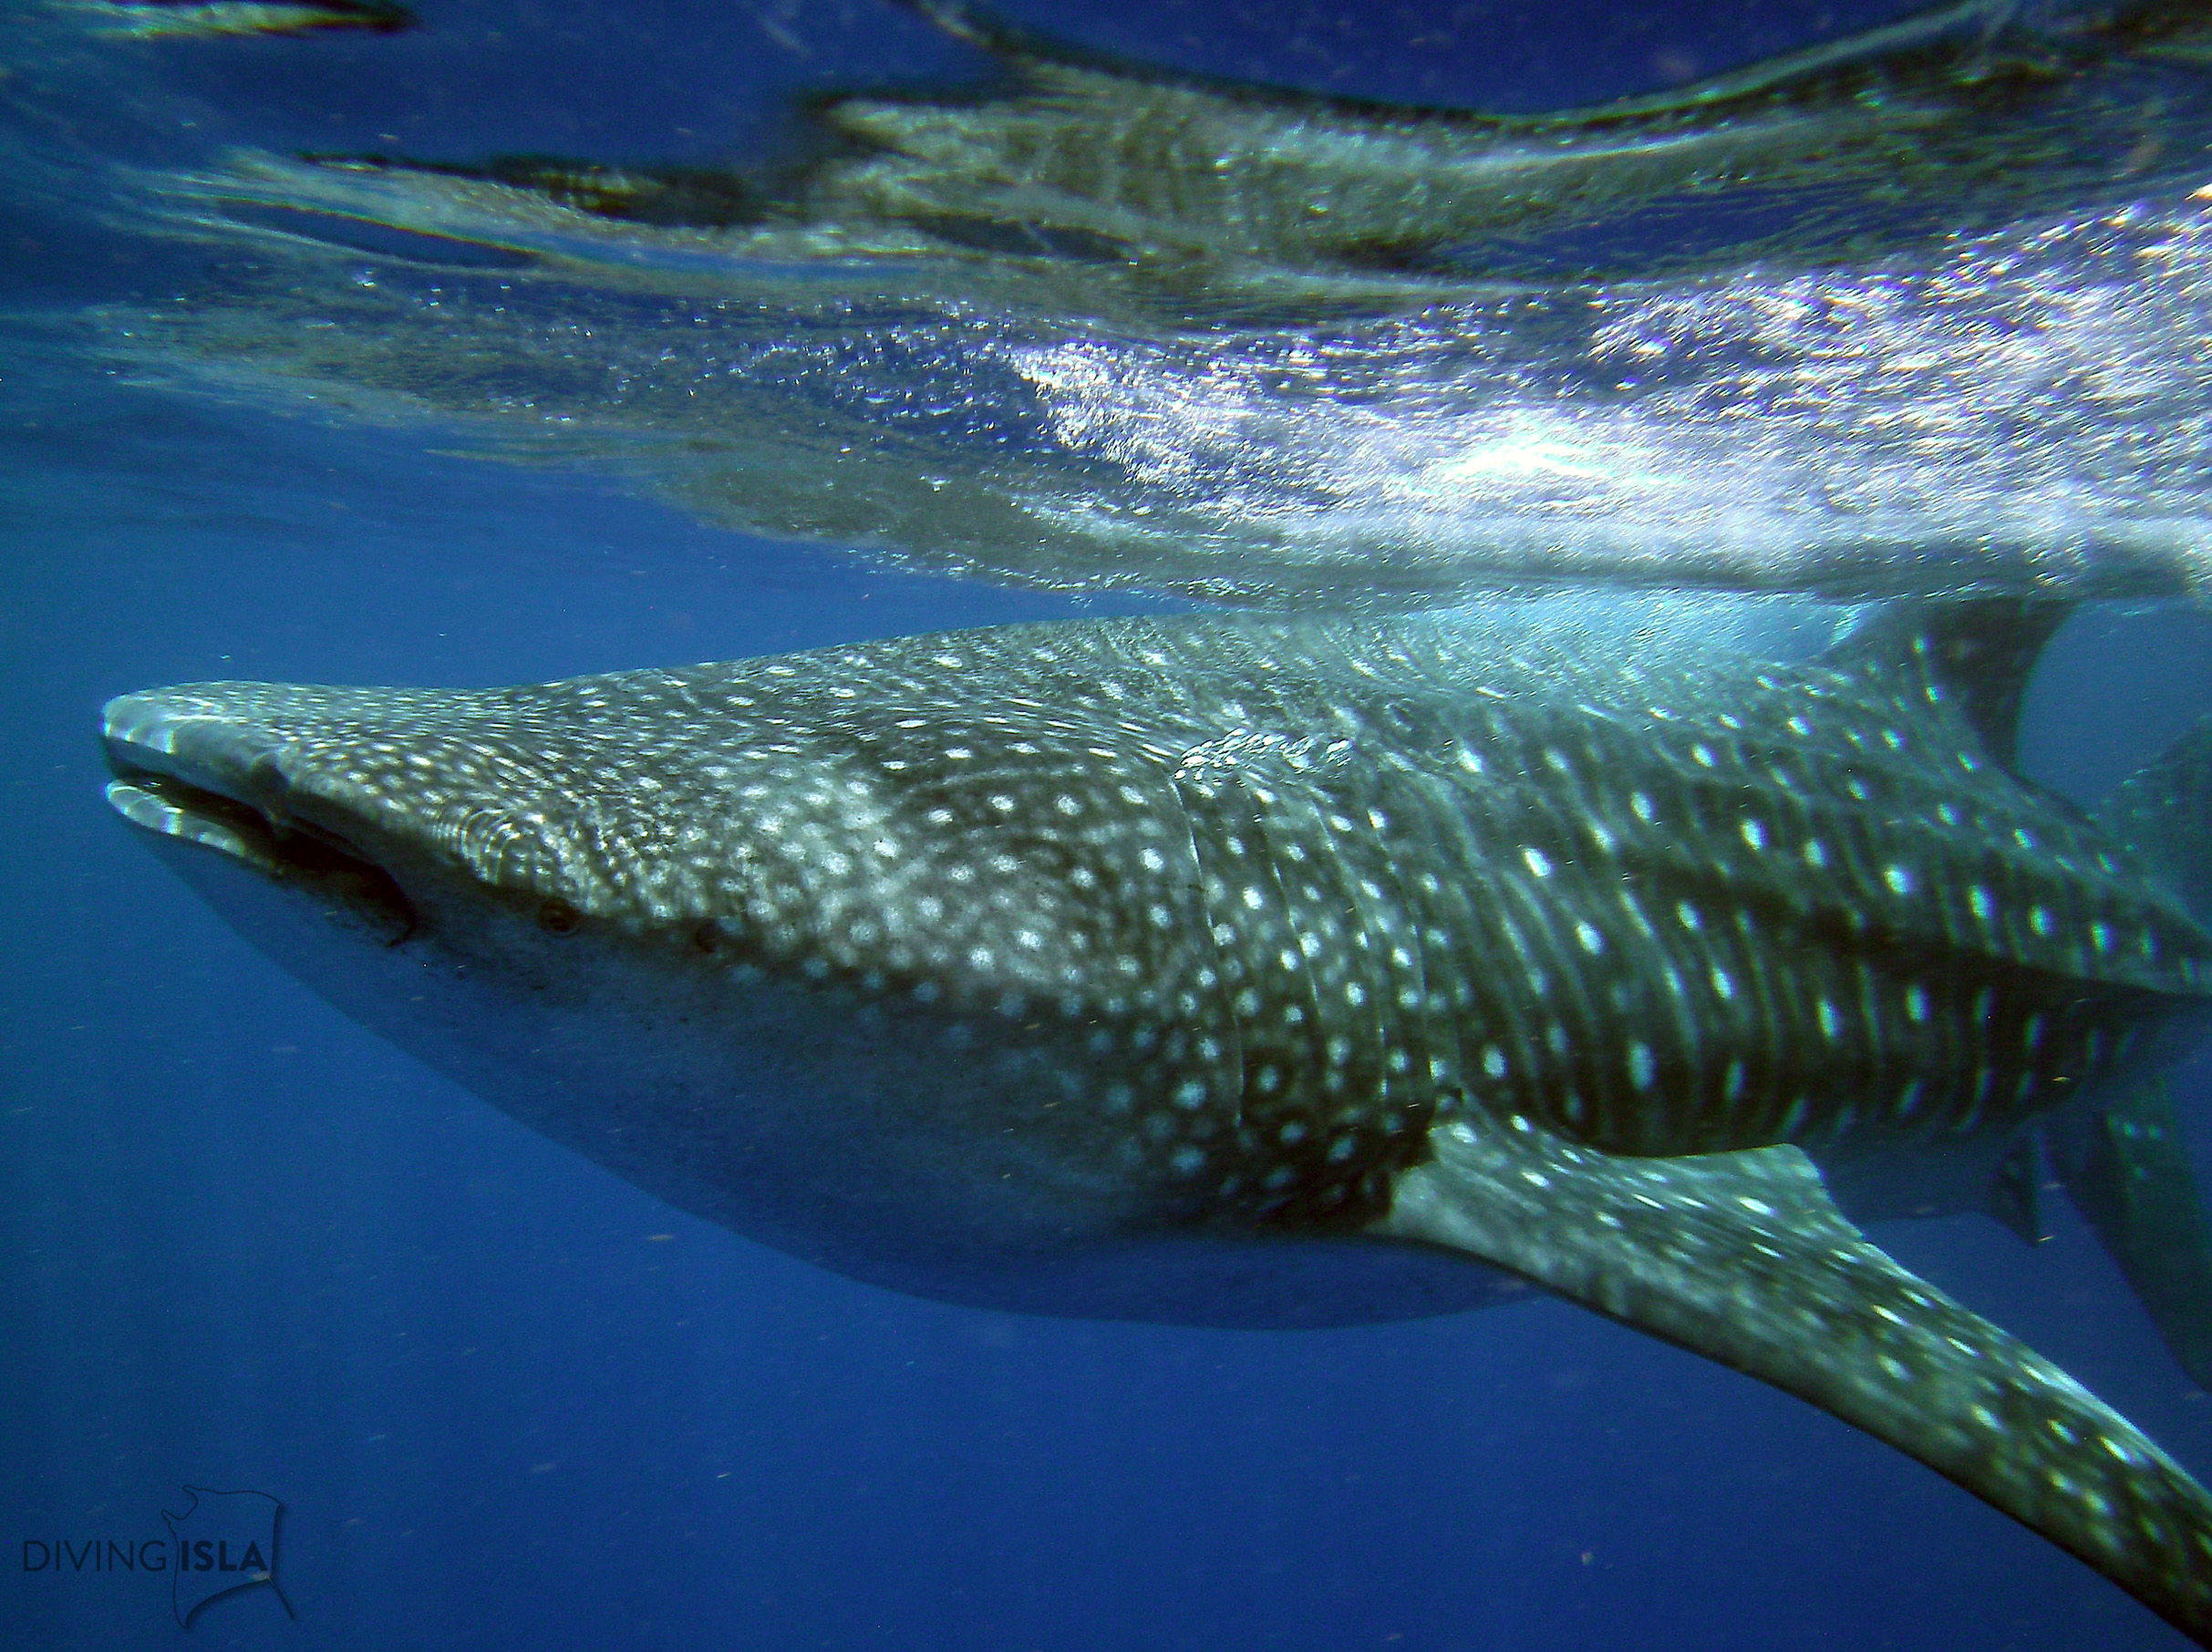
(1746, 1257)
(2121, 1157)
(2126, 1166)
(2164, 811)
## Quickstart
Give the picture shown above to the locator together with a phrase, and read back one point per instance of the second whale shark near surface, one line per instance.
(1248, 972)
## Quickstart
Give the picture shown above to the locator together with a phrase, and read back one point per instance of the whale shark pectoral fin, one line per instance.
(2127, 1172)
(1743, 1257)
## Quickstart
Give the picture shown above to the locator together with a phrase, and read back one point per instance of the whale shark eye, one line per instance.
(708, 937)
(557, 917)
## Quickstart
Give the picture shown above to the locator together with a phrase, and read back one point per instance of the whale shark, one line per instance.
(1249, 971)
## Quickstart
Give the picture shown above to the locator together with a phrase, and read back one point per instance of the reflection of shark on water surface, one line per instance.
(1907, 312)
(1275, 973)
(1962, 116)
(204, 19)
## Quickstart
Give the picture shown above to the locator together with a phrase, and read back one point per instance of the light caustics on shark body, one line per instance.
(1246, 972)
(1920, 312)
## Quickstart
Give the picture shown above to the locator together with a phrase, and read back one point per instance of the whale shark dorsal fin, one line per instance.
(1977, 651)
(1743, 1257)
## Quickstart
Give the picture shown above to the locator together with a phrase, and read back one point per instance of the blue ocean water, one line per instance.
(507, 1400)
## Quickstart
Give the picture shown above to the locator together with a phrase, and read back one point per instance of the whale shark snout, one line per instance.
(186, 771)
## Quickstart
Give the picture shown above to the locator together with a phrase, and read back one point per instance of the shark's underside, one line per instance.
(1267, 972)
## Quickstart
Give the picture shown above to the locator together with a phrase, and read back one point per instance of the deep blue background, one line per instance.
(508, 1400)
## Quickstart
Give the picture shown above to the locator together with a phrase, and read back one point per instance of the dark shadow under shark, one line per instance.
(1254, 971)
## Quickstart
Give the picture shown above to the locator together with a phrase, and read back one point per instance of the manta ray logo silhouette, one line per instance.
(226, 1541)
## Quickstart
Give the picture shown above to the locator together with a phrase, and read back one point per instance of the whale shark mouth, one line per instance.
(209, 783)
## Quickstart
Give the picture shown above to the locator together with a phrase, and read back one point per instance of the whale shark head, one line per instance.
(1282, 972)
(785, 958)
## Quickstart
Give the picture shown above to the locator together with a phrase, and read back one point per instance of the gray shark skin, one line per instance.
(1291, 971)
